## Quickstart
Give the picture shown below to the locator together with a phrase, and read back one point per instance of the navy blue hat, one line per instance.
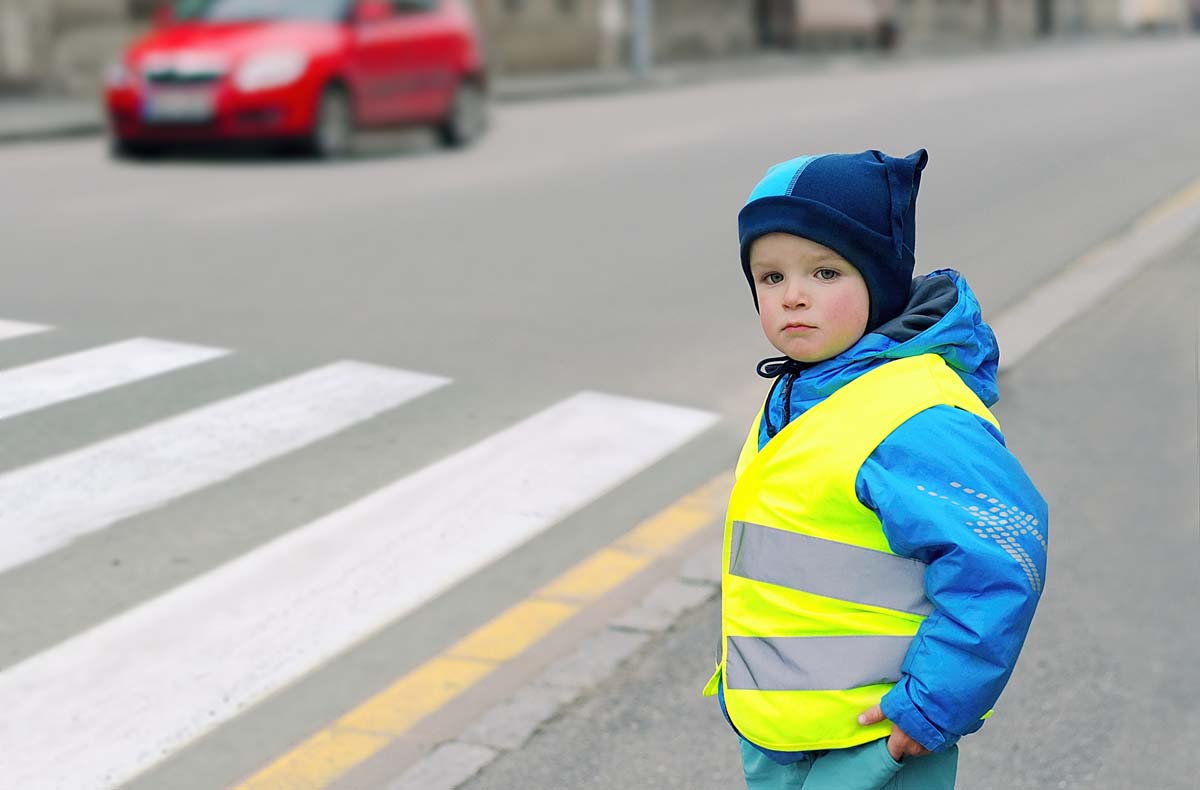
(862, 206)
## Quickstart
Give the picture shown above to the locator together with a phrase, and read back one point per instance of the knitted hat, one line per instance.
(862, 206)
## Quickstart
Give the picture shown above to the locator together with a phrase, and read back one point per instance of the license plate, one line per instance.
(178, 106)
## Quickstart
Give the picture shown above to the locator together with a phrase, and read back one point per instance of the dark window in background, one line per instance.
(414, 6)
(245, 10)
(141, 9)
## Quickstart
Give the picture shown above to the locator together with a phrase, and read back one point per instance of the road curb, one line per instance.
(66, 131)
(508, 726)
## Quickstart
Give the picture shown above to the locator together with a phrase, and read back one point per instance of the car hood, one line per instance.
(219, 47)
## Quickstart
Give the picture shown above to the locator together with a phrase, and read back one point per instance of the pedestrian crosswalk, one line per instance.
(72, 376)
(10, 329)
(109, 703)
(89, 489)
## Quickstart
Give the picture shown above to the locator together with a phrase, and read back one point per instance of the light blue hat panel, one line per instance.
(780, 179)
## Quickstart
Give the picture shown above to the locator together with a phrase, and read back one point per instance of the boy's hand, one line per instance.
(899, 744)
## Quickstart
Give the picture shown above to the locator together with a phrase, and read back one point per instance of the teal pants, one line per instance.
(866, 767)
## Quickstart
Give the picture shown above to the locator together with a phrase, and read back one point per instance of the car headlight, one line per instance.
(270, 70)
(117, 74)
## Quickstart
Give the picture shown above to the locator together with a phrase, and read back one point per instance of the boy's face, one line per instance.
(812, 303)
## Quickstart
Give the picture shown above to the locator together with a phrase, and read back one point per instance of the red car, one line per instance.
(308, 71)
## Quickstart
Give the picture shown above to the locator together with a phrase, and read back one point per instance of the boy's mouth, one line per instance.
(798, 327)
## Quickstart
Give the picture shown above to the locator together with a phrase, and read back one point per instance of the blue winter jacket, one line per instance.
(950, 494)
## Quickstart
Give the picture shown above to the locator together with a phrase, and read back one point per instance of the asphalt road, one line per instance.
(589, 245)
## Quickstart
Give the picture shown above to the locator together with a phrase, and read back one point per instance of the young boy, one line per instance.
(884, 552)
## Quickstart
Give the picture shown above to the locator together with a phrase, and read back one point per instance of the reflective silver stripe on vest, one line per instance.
(813, 663)
(828, 568)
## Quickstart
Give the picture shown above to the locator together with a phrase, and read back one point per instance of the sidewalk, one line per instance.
(40, 117)
(33, 117)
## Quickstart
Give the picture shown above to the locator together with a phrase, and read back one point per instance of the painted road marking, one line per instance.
(372, 726)
(1077, 288)
(49, 504)
(10, 329)
(109, 703)
(71, 376)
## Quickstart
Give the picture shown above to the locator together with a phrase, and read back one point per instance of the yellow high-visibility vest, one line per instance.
(817, 611)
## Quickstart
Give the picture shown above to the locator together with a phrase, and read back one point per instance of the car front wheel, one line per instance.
(333, 127)
(467, 118)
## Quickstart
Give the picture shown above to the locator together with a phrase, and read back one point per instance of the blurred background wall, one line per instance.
(63, 45)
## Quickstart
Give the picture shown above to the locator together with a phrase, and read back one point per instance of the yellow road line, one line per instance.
(1186, 197)
(383, 718)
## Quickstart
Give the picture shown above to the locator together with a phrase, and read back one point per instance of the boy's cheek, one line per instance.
(766, 317)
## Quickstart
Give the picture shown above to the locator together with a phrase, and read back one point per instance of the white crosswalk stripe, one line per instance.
(113, 701)
(121, 696)
(10, 329)
(49, 504)
(72, 376)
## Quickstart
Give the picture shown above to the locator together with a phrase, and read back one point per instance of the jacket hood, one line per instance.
(942, 317)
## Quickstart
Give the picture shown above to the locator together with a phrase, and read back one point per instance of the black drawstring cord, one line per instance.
(772, 367)
(777, 368)
(770, 426)
(787, 399)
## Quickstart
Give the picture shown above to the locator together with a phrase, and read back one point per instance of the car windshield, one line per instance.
(247, 10)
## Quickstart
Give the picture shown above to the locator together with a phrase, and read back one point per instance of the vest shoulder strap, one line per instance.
(849, 424)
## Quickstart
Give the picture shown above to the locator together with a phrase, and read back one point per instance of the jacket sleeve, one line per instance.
(951, 495)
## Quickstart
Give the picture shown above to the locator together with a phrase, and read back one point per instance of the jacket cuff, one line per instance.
(899, 708)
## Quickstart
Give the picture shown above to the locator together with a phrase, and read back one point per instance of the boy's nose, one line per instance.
(795, 297)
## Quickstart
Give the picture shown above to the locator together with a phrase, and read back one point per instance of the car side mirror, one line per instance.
(368, 11)
(164, 15)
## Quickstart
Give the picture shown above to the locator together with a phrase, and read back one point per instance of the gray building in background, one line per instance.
(64, 45)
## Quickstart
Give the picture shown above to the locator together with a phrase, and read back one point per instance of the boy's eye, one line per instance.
(772, 278)
(827, 275)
